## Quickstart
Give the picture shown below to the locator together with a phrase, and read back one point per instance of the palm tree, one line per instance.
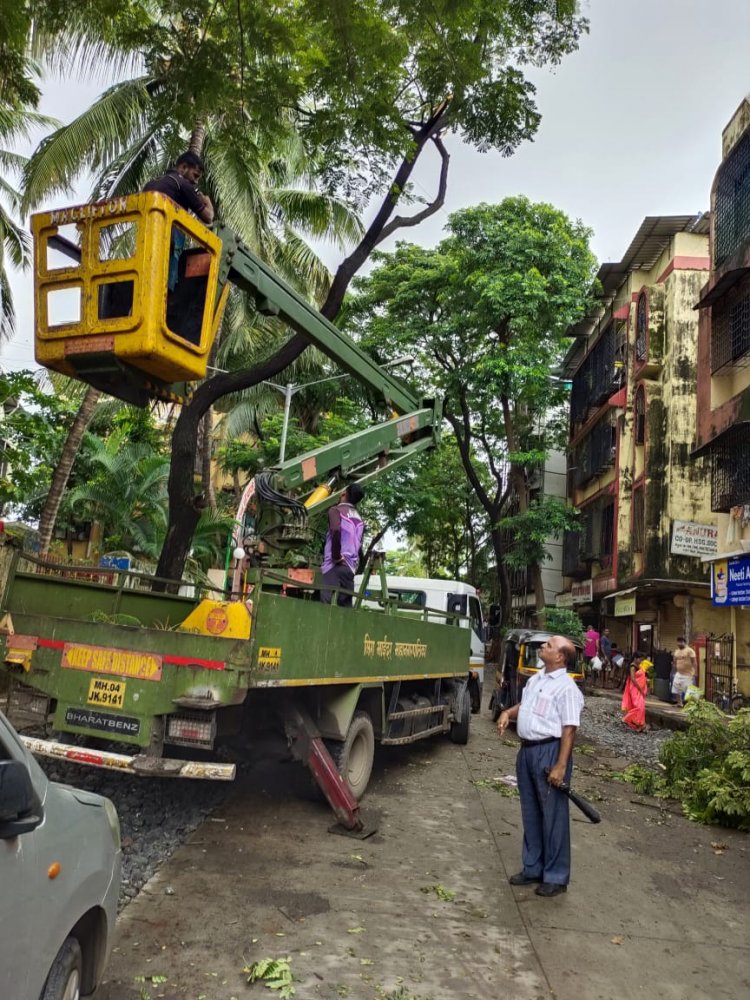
(16, 123)
(262, 185)
(127, 496)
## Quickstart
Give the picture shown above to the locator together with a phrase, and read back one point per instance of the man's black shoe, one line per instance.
(550, 889)
(522, 879)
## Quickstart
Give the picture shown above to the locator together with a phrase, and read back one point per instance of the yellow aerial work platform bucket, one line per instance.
(127, 294)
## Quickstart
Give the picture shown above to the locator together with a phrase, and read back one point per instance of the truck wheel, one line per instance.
(459, 731)
(354, 755)
(64, 979)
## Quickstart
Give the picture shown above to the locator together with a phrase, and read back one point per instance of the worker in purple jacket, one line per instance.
(343, 543)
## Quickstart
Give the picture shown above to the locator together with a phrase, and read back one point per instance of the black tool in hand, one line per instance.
(583, 804)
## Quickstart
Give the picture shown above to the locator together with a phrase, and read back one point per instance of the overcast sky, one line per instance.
(631, 126)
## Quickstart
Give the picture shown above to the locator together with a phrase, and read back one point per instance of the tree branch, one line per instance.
(465, 452)
(401, 221)
(349, 267)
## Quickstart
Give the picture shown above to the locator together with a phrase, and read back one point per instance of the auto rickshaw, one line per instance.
(519, 660)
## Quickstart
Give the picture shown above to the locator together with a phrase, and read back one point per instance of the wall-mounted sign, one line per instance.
(582, 591)
(692, 539)
(603, 584)
(564, 600)
(625, 606)
(730, 581)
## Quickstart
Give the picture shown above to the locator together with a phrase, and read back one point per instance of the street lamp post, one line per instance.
(291, 388)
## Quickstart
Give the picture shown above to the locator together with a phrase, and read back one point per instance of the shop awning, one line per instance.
(619, 593)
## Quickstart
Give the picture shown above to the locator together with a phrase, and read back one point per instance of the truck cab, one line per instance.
(444, 597)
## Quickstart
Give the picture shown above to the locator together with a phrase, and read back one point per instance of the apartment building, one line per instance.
(723, 400)
(635, 565)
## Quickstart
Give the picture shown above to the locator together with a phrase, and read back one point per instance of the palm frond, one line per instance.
(79, 50)
(319, 215)
(15, 240)
(297, 259)
(7, 308)
(93, 140)
(238, 191)
(129, 172)
(12, 162)
(20, 123)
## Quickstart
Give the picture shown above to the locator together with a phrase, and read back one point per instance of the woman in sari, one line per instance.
(634, 695)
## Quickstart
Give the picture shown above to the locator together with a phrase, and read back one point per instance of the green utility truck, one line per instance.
(108, 656)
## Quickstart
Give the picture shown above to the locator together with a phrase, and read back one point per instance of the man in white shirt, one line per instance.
(547, 718)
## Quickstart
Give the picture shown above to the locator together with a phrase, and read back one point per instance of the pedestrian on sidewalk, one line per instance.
(590, 646)
(547, 718)
(634, 695)
(685, 665)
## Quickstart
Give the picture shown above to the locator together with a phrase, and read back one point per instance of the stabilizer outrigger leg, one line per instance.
(307, 745)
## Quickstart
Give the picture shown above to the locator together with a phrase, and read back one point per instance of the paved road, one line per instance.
(654, 910)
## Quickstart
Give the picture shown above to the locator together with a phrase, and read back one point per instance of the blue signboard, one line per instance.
(115, 562)
(730, 582)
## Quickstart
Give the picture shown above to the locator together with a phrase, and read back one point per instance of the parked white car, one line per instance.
(60, 868)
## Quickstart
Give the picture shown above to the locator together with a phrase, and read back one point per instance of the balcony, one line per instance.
(573, 562)
(732, 202)
(730, 468)
(594, 542)
(730, 330)
(601, 374)
(595, 454)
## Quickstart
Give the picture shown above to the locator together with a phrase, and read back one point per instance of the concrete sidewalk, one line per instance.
(657, 907)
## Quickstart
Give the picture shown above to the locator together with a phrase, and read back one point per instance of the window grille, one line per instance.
(572, 562)
(641, 327)
(730, 468)
(730, 329)
(596, 452)
(640, 415)
(597, 532)
(638, 527)
(732, 204)
(597, 378)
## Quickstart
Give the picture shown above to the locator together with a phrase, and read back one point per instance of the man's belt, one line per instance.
(538, 743)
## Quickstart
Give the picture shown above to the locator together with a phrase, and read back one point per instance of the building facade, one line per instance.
(723, 400)
(635, 566)
(550, 481)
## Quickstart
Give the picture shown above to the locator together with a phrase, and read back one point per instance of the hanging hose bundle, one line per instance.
(265, 490)
(283, 518)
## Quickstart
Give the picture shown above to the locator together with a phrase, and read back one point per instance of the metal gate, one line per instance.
(719, 650)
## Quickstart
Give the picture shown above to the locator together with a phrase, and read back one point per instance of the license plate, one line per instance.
(103, 691)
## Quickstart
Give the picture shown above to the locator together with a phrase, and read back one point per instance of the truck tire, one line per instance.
(459, 731)
(354, 756)
(64, 979)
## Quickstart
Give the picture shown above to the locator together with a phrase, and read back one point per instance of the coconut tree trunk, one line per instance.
(197, 138)
(62, 469)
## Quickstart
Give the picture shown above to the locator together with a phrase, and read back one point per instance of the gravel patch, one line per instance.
(156, 814)
(602, 725)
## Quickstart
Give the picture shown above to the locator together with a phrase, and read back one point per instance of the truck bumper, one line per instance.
(140, 764)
